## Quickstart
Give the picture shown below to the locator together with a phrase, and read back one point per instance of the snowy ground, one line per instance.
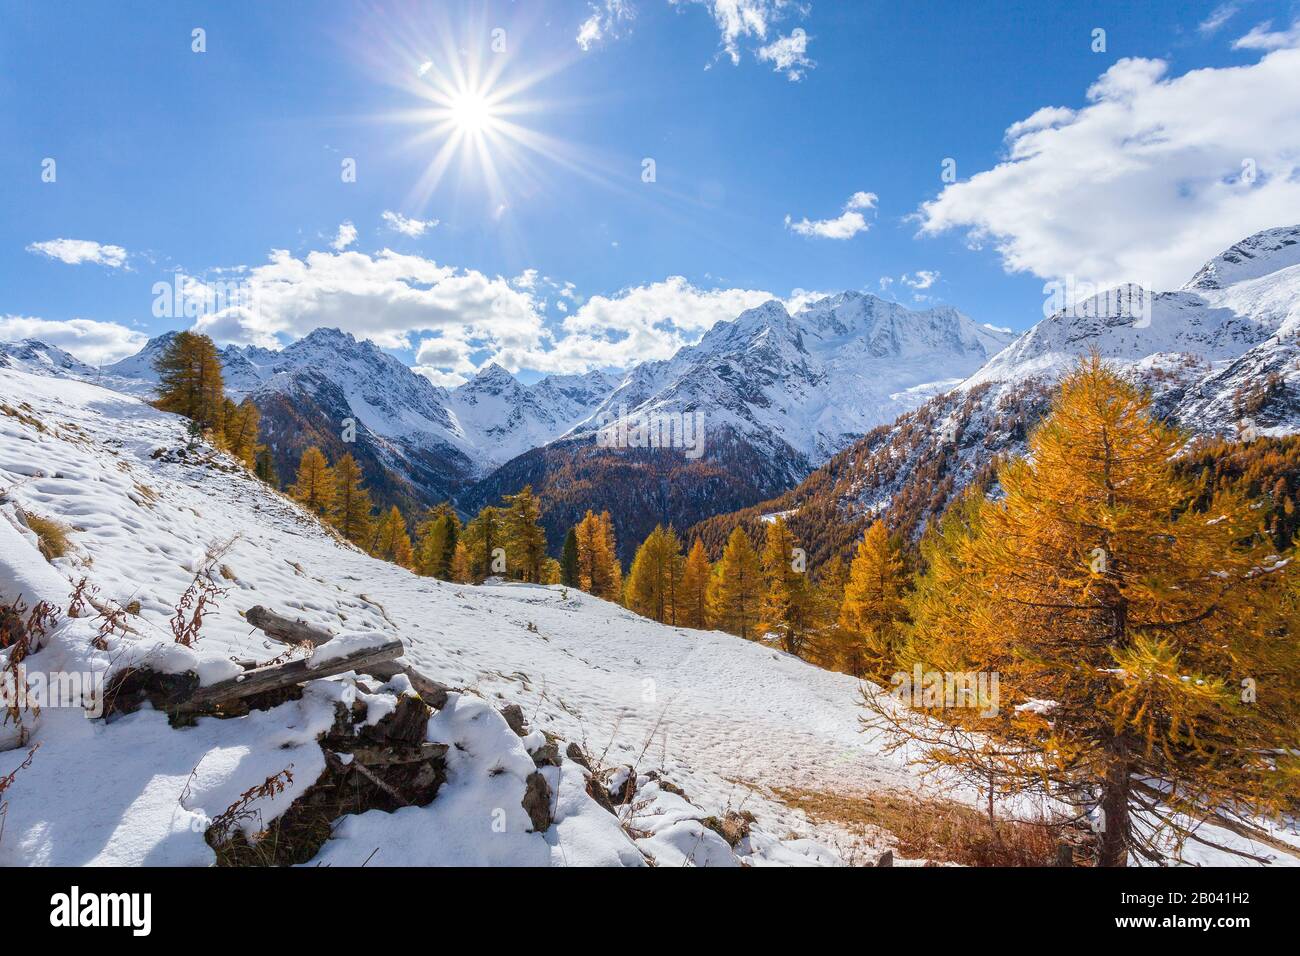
(722, 718)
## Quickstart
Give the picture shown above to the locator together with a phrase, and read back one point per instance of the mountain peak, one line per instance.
(1259, 255)
(327, 336)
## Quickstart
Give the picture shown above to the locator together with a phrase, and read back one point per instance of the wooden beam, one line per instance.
(286, 630)
(259, 680)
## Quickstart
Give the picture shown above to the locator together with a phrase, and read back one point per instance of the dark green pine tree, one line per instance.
(264, 468)
(569, 560)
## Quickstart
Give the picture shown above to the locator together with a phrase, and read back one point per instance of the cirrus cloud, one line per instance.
(414, 228)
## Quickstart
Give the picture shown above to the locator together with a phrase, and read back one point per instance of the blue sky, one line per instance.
(177, 160)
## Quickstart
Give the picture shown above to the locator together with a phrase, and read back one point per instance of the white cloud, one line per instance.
(1262, 36)
(921, 279)
(844, 226)
(789, 55)
(385, 297)
(1154, 176)
(1218, 17)
(739, 20)
(96, 343)
(448, 314)
(642, 323)
(608, 20)
(347, 235)
(76, 251)
(407, 226)
(740, 24)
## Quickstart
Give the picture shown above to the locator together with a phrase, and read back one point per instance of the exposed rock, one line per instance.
(577, 755)
(131, 688)
(886, 858)
(622, 785)
(406, 724)
(384, 767)
(514, 715)
(667, 785)
(547, 755)
(537, 802)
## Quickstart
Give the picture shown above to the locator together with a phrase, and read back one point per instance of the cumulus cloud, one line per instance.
(641, 323)
(76, 251)
(347, 235)
(385, 297)
(607, 20)
(789, 55)
(456, 320)
(920, 279)
(96, 343)
(407, 226)
(844, 226)
(1152, 177)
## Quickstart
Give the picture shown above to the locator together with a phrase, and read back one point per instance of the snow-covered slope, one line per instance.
(706, 724)
(724, 719)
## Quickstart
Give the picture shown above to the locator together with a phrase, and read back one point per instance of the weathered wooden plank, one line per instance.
(284, 629)
(278, 676)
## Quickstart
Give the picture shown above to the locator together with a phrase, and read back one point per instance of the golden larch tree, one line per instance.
(694, 605)
(189, 380)
(786, 607)
(736, 588)
(1148, 666)
(313, 487)
(874, 610)
(351, 511)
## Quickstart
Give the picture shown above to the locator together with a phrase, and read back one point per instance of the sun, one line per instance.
(471, 113)
(478, 112)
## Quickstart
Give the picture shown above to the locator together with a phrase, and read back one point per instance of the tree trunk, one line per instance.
(1115, 807)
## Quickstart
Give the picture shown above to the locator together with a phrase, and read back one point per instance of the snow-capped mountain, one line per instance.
(801, 387)
(1235, 320)
(777, 393)
(31, 355)
(1220, 356)
(502, 418)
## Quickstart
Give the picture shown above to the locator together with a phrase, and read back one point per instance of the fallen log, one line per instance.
(286, 630)
(273, 677)
(280, 628)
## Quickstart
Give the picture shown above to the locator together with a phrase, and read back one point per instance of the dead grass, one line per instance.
(933, 829)
(53, 536)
